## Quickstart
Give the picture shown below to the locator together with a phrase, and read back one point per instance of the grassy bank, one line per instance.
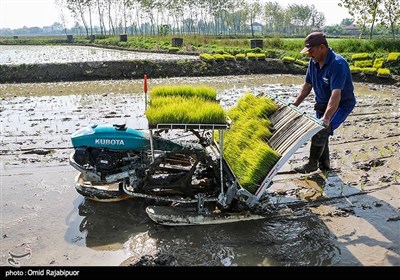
(210, 44)
(217, 49)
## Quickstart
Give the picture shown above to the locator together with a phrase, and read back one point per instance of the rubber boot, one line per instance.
(324, 162)
(312, 164)
(318, 143)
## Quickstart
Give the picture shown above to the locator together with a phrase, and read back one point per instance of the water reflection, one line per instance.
(108, 225)
(302, 239)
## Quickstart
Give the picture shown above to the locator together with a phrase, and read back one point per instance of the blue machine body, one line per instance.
(110, 137)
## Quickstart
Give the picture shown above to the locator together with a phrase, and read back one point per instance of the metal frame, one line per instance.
(220, 127)
(293, 128)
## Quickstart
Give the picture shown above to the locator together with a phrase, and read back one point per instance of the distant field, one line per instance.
(212, 44)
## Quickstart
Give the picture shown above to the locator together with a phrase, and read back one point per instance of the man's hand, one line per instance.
(325, 120)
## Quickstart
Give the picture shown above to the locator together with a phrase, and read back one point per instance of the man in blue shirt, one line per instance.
(329, 75)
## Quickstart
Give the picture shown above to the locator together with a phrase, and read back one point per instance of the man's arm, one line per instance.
(305, 91)
(333, 105)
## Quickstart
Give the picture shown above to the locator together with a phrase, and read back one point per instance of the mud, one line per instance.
(349, 216)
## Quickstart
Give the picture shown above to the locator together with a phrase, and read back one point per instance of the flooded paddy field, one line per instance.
(19, 54)
(350, 216)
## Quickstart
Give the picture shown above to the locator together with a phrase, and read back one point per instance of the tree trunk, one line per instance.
(90, 20)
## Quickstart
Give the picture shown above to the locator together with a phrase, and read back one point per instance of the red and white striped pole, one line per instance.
(145, 91)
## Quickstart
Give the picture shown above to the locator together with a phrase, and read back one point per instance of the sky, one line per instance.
(18, 13)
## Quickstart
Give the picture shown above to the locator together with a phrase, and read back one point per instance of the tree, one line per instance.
(300, 16)
(253, 9)
(364, 11)
(317, 18)
(61, 5)
(391, 15)
(78, 9)
(346, 21)
(333, 29)
(273, 16)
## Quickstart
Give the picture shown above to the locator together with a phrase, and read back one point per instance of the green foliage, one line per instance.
(274, 43)
(274, 53)
(364, 45)
(165, 29)
(219, 51)
(34, 41)
(245, 143)
(256, 50)
(276, 47)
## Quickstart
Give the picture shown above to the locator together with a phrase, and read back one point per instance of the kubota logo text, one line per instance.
(113, 142)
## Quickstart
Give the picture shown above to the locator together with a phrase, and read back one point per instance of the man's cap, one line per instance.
(314, 39)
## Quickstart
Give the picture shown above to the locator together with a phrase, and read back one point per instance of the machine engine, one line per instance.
(109, 149)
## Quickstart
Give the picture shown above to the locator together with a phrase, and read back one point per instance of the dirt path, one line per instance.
(41, 211)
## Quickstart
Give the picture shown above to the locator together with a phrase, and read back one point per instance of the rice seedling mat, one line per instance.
(185, 107)
(293, 128)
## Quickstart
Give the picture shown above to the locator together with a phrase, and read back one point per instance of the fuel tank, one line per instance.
(112, 137)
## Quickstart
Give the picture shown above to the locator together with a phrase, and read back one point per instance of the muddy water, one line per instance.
(41, 210)
(67, 54)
